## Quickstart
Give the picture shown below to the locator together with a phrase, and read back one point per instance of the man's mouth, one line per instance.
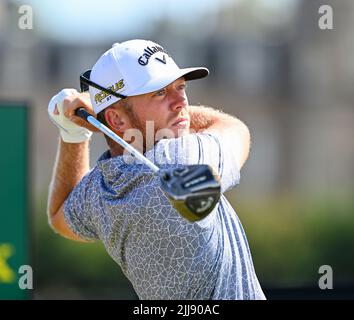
(180, 122)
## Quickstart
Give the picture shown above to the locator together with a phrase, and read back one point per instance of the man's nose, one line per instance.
(178, 101)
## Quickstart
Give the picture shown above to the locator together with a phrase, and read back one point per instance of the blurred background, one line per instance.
(271, 65)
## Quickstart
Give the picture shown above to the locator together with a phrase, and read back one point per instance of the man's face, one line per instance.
(166, 110)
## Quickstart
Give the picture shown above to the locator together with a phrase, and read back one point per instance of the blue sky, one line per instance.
(92, 20)
(88, 20)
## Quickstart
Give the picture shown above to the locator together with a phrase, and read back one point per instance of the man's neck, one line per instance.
(116, 150)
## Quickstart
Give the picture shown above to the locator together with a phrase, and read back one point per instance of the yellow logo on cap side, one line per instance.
(103, 94)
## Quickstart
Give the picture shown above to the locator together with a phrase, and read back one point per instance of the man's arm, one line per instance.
(72, 161)
(71, 165)
(233, 131)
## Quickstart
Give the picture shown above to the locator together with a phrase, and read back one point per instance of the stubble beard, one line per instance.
(150, 133)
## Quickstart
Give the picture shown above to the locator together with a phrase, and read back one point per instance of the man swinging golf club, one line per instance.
(159, 213)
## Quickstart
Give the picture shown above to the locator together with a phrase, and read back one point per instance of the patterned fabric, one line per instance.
(163, 255)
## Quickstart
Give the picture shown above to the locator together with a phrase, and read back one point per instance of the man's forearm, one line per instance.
(71, 165)
(234, 132)
(204, 117)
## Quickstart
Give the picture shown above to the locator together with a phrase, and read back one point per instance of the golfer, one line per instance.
(120, 202)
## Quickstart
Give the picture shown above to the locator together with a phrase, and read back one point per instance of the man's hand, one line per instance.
(61, 110)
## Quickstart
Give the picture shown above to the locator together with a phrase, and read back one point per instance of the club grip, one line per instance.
(82, 113)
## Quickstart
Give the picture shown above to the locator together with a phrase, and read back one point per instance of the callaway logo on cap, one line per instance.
(135, 67)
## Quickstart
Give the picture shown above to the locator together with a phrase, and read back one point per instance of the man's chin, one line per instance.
(173, 134)
(181, 132)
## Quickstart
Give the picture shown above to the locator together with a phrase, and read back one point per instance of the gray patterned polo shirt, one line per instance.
(163, 255)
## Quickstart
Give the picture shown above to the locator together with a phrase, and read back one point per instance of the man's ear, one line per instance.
(117, 120)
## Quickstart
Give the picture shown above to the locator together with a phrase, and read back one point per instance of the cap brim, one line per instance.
(161, 82)
(195, 73)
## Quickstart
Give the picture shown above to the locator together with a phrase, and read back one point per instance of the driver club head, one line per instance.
(193, 190)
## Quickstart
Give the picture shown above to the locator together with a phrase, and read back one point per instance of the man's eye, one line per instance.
(182, 86)
(160, 92)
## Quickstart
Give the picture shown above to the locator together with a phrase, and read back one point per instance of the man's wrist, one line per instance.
(78, 137)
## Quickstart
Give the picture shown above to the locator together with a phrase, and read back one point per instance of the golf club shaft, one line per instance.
(82, 113)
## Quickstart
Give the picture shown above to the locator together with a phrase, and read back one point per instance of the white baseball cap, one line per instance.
(135, 67)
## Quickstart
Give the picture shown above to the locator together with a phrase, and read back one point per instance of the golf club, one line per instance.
(193, 190)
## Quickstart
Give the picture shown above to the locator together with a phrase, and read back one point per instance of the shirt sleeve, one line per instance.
(77, 212)
(199, 148)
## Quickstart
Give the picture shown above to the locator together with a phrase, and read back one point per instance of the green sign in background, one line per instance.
(14, 237)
